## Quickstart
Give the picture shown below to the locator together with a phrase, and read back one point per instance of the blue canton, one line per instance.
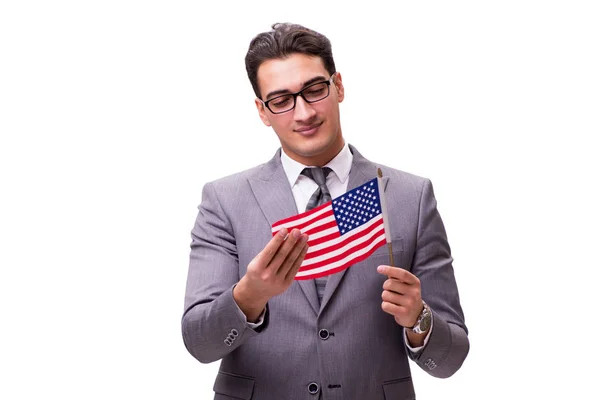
(357, 207)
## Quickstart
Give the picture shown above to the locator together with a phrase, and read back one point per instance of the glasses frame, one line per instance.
(300, 93)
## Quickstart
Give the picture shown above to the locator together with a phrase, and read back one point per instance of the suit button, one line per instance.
(313, 388)
(324, 334)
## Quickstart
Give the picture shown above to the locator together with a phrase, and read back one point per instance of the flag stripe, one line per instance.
(313, 226)
(341, 241)
(324, 234)
(300, 218)
(320, 226)
(341, 265)
(340, 254)
(330, 234)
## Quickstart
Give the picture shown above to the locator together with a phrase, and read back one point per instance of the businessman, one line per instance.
(346, 336)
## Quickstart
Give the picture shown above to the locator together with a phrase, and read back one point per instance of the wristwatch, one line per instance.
(424, 321)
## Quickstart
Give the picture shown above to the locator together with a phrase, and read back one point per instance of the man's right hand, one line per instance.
(271, 272)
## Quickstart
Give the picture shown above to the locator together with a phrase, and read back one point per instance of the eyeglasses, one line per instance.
(311, 94)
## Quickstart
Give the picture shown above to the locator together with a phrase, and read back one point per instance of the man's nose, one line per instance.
(303, 110)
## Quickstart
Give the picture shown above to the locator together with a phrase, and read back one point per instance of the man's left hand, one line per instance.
(401, 295)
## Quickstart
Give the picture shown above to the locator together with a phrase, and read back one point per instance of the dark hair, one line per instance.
(282, 41)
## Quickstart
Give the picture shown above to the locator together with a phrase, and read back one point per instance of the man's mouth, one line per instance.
(308, 130)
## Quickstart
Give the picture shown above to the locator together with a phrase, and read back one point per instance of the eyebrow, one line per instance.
(304, 85)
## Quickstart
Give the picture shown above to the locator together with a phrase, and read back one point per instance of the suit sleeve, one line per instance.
(448, 344)
(212, 326)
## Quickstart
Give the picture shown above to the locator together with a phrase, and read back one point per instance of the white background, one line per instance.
(114, 114)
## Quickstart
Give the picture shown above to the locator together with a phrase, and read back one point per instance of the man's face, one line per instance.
(311, 132)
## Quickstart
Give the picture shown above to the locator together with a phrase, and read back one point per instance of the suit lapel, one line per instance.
(362, 170)
(274, 196)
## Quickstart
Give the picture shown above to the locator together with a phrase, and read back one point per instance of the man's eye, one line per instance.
(281, 102)
(312, 92)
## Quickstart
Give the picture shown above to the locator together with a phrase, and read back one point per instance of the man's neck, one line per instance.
(318, 160)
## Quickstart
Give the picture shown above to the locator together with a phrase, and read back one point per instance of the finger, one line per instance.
(408, 302)
(292, 256)
(398, 273)
(398, 286)
(267, 254)
(394, 309)
(392, 297)
(283, 250)
(296, 266)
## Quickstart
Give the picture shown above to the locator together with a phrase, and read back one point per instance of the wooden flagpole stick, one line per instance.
(386, 224)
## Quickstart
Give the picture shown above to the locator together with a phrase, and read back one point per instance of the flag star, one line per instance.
(374, 197)
(377, 212)
(357, 223)
(370, 215)
(371, 202)
(371, 183)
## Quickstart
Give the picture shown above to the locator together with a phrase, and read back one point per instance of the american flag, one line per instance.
(341, 232)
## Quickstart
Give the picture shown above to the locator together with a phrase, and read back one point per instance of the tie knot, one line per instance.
(317, 174)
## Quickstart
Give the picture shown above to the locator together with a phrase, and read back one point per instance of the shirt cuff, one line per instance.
(418, 349)
(252, 325)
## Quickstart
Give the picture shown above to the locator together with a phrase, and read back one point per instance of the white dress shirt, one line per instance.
(303, 187)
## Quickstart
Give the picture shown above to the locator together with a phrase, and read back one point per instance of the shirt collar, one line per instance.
(340, 165)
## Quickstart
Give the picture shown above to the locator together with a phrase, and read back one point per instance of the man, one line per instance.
(346, 336)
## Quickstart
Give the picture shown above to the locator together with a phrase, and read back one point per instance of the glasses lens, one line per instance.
(281, 103)
(316, 92)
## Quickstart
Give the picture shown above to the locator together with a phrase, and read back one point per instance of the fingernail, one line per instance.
(296, 234)
(380, 268)
(283, 232)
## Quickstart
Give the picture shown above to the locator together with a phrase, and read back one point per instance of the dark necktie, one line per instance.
(320, 196)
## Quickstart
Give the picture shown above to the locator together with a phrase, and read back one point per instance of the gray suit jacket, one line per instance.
(361, 354)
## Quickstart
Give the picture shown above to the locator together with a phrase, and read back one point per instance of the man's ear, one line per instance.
(262, 112)
(339, 86)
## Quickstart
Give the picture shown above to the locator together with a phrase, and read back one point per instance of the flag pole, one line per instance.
(386, 224)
